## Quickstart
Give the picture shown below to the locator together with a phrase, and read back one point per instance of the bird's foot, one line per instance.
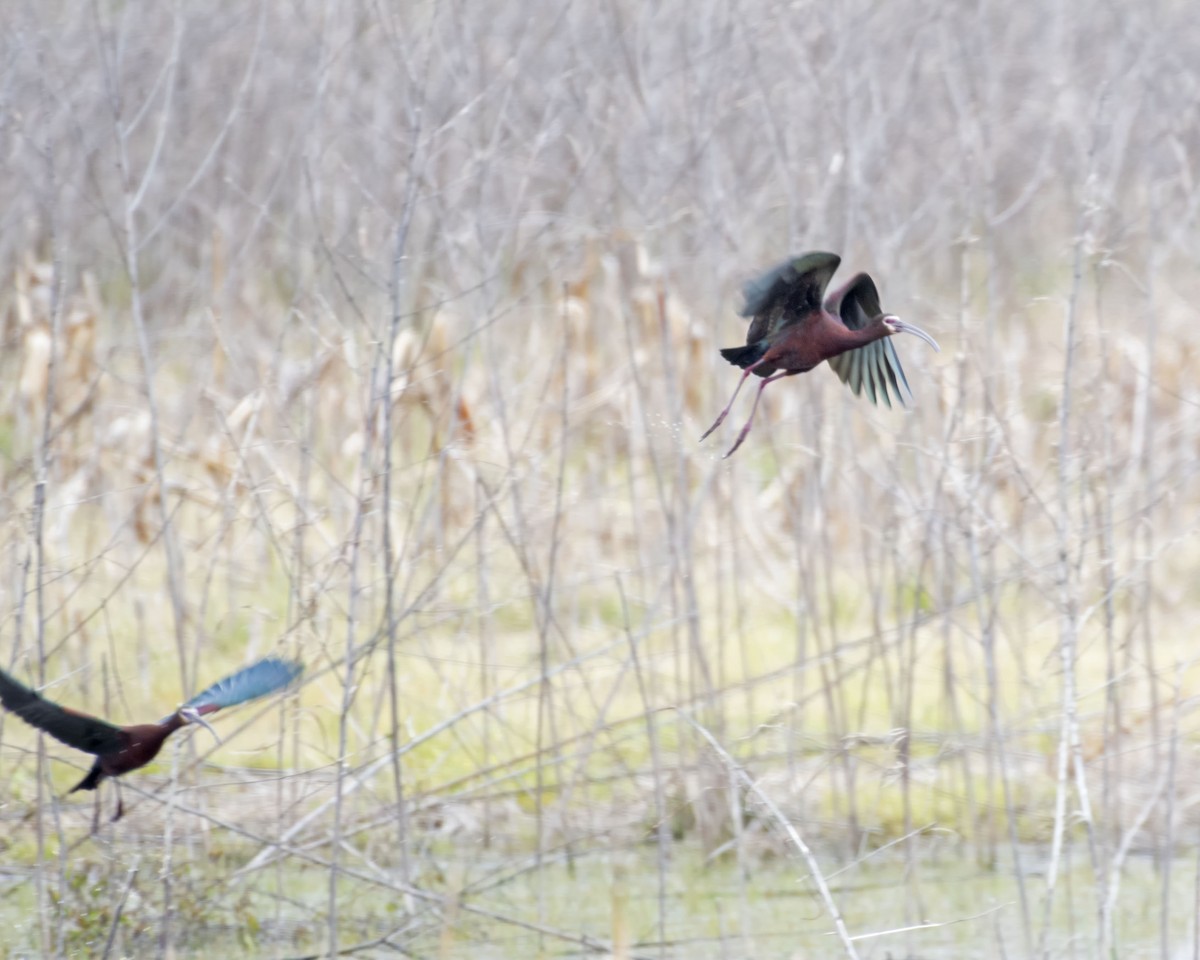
(705, 434)
(738, 442)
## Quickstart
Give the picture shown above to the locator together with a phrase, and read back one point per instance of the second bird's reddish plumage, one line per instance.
(119, 750)
(792, 329)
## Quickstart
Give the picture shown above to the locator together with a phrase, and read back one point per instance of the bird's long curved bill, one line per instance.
(905, 327)
(193, 716)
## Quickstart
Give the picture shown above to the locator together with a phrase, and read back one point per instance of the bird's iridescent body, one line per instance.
(119, 750)
(792, 330)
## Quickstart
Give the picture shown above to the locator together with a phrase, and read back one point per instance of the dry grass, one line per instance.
(384, 335)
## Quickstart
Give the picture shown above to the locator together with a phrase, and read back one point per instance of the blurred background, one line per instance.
(382, 335)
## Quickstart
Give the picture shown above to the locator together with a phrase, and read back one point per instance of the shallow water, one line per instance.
(621, 905)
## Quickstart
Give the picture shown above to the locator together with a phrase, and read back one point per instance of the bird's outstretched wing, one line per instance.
(76, 730)
(787, 293)
(257, 680)
(876, 365)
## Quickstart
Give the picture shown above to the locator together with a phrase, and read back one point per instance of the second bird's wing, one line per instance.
(249, 683)
(76, 730)
(876, 365)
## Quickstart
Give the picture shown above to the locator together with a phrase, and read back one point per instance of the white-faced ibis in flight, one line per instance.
(791, 331)
(121, 749)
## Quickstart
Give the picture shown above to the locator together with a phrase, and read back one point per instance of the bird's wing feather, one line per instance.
(874, 366)
(873, 381)
(857, 302)
(76, 730)
(855, 371)
(877, 364)
(894, 368)
(249, 683)
(787, 293)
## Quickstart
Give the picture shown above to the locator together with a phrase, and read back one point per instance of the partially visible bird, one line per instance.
(121, 749)
(791, 331)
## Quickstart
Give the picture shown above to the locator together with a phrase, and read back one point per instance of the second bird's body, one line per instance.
(119, 750)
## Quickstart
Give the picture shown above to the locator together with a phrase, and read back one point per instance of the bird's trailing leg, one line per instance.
(758, 396)
(120, 802)
(724, 413)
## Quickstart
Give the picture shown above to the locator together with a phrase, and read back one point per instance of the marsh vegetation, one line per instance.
(382, 335)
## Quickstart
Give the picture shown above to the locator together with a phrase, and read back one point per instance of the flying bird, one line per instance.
(121, 749)
(791, 331)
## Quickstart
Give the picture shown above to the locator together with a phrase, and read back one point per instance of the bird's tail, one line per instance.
(744, 356)
(91, 781)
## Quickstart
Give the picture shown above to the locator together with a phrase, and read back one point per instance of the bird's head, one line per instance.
(192, 715)
(894, 325)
